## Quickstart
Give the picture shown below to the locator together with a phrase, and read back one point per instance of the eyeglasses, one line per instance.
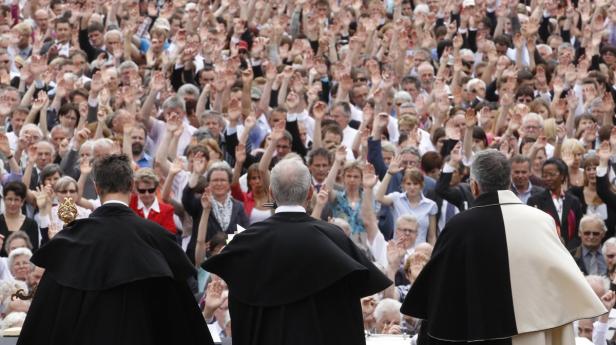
(593, 233)
(283, 147)
(149, 190)
(610, 256)
(407, 231)
(72, 191)
(362, 79)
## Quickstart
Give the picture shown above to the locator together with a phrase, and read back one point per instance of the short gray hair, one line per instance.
(385, 306)
(590, 218)
(188, 89)
(492, 171)
(174, 101)
(290, 182)
(219, 166)
(19, 252)
(608, 243)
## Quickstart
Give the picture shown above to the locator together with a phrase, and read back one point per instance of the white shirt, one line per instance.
(290, 208)
(113, 201)
(146, 210)
(349, 134)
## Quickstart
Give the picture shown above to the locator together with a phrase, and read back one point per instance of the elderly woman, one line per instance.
(13, 219)
(222, 213)
(388, 317)
(65, 187)
(19, 263)
(145, 202)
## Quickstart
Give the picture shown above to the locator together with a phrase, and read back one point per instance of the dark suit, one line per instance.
(571, 215)
(192, 205)
(604, 191)
(459, 195)
(113, 278)
(296, 280)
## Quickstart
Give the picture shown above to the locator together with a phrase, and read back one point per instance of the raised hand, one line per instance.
(277, 132)
(214, 296)
(341, 154)
(395, 166)
(604, 153)
(470, 118)
(369, 179)
(240, 153)
(206, 198)
(318, 110)
(85, 167)
(199, 164)
(322, 196)
(176, 167)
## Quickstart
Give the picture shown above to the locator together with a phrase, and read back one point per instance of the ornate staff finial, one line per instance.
(67, 211)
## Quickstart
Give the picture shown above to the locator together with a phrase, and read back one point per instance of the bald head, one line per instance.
(290, 182)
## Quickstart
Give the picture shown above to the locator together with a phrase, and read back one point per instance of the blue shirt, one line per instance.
(426, 208)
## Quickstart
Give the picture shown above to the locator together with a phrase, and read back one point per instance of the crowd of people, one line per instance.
(386, 102)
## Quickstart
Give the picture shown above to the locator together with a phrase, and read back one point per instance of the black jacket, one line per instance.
(296, 280)
(113, 278)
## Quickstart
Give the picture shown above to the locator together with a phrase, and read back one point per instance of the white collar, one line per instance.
(155, 206)
(290, 208)
(112, 201)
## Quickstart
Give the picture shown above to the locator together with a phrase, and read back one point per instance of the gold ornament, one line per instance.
(67, 211)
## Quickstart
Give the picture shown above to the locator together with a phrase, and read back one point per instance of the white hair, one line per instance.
(290, 182)
(533, 117)
(608, 243)
(19, 252)
(598, 281)
(590, 218)
(30, 127)
(387, 305)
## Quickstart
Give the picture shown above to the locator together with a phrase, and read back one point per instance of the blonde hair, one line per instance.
(573, 146)
(549, 129)
(146, 175)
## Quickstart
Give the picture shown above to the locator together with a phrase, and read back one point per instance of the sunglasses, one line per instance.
(610, 256)
(149, 190)
(594, 233)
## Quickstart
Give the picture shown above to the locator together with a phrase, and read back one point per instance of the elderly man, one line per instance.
(294, 279)
(490, 265)
(609, 254)
(588, 255)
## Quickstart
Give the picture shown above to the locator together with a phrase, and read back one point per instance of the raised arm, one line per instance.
(394, 167)
(367, 202)
(341, 153)
(201, 246)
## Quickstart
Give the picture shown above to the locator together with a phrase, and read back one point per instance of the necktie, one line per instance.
(594, 264)
(318, 187)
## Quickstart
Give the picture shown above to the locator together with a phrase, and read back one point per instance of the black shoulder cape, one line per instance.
(114, 278)
(289, 257)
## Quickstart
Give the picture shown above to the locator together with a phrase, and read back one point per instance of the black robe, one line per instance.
(498, 270)
(296, 280)
(113, 278)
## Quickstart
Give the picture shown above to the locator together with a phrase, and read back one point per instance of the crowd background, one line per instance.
(385, 101)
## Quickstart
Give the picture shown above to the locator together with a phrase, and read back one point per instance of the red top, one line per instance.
(246, 198)
(164, 218)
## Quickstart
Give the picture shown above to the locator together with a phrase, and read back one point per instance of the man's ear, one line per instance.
(474, 188)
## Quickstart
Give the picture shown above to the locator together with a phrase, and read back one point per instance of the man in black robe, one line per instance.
(499, 274)
(294, 279)
(113, 278)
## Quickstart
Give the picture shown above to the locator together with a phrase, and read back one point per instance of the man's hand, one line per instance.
(395, 166)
